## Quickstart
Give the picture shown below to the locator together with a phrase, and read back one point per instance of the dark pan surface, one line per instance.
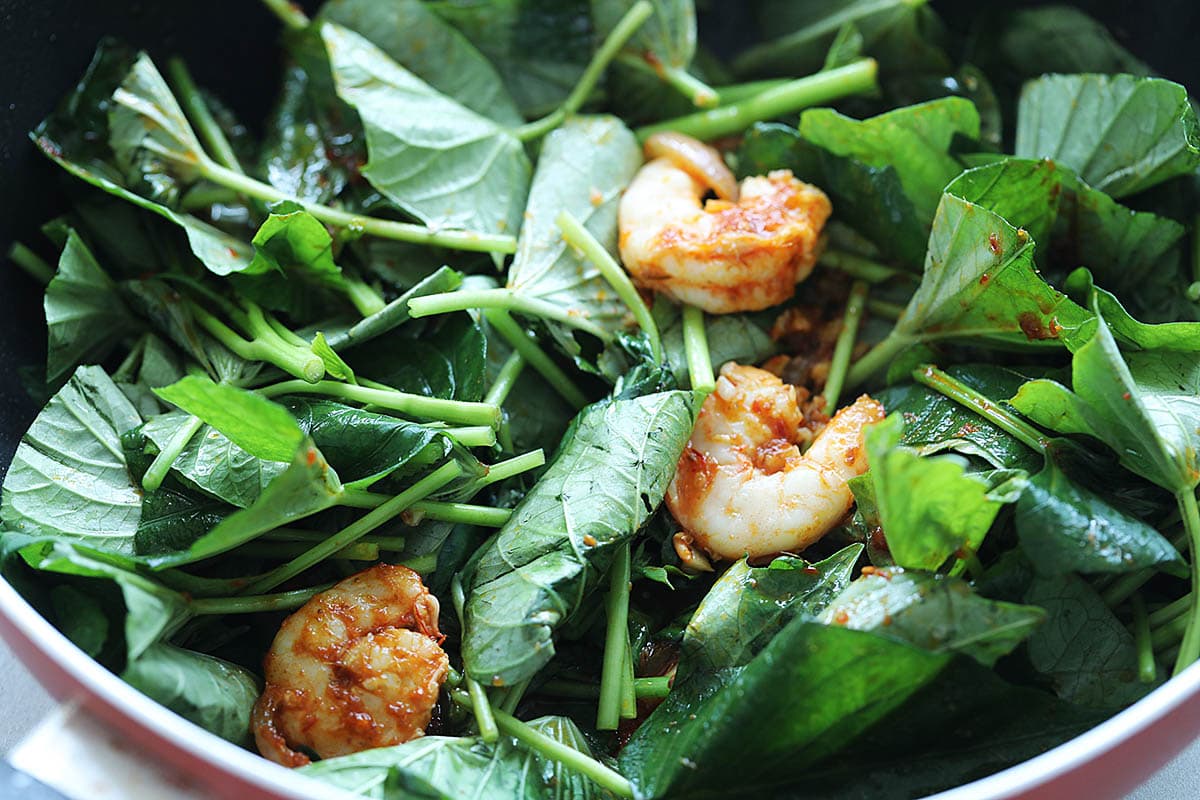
(231, 48)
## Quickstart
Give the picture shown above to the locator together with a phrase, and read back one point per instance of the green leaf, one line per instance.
(172, 519)
(1143, 405)
(431, 156)
(584, 167)
(915, 141)
(540, 47)
(1066, 528)
(412, 35)
(214, 694)
(85, 316)
(980, 281)
(1120, 133)
(933, 423)
(299, 155)
(444, 357)
(1182, 336)
(838, 683)
(447, 768)
(1083, 648)
(748, 606)
(307, 486)
(68, 477)
(870, 198)
(363, 445)
(1039, 41)
(260, 427)
(933, 612)
(213, 463)
(894, 31)
(731, 337)
(150, 613)
(394, 314)
(930, 508)
(610, 473)
(667, 37)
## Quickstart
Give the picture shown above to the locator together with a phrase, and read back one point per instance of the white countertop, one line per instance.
(24, 705)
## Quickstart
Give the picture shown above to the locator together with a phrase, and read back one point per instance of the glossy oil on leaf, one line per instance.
(431, 156)
(610, 473)
(68, 477)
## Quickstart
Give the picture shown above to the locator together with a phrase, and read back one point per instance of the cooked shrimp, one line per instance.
(744, 251)
(357, 666)
(742, 486)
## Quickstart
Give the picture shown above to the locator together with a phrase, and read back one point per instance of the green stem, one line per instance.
(1147, 668)
(1121, 589)
(479, 699)
(415, 405)
(990, 410)
(472, 435)
(520, 341)
(864, 269)
(393, 544)
(289, 13)
(1196, 248)
(34, 265)
(506, 379)
(303, 364)
(878, 357)
(280, 601)
(202, 119)
(700, 93)
(823, 87)
(503, 299)
(513, 698)
(628, 676)
(365, 298)
(162, 462)
(281, 551)
(358, 529)
(581, 239)
(616, 39)
(643, 688)
(616, 642)
(1170, 634)
(844, 348)
(463, 513)
(555, 750)
(1189, 648)
(204, 195)
(423, 564)
(1170, 611)
(503, 470)
(695, 345)
(885, 310)
(657, 688)
(383, 228)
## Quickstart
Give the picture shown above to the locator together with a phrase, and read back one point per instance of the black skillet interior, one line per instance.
(230, 45)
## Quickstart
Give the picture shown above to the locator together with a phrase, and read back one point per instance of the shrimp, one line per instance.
(358, 666)
(744, 251)
(742, 486)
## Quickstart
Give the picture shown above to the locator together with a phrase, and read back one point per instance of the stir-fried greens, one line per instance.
(394, 329)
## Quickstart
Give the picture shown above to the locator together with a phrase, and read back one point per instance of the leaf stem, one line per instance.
(288, 13)
(695, 345)
(366, 298)
(844, 348)
(1147, 668)
(506, 379)
(464, 513)
(877, 358)
(700, 93)
(990, 410)
(582, 240)
(276, 550)
(384, 543)
(1170, 634)
(471, 435)
(822, 87)
(524, 344)
(162, 462)
(885, 310)
(268, 346)
(657, 687)
(864, 269)
(359, 528)
(357, 223)
(254, 604)
(644, 688)
(1170, 611)
(415, 405)
(479, 699)
(503, 470)
(512, 698)
(555, 750)
(1189, 648)
(1122, 588)
(616, 641)
(34, 265)
(504, 299)
(616, 39)
(197, 110)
